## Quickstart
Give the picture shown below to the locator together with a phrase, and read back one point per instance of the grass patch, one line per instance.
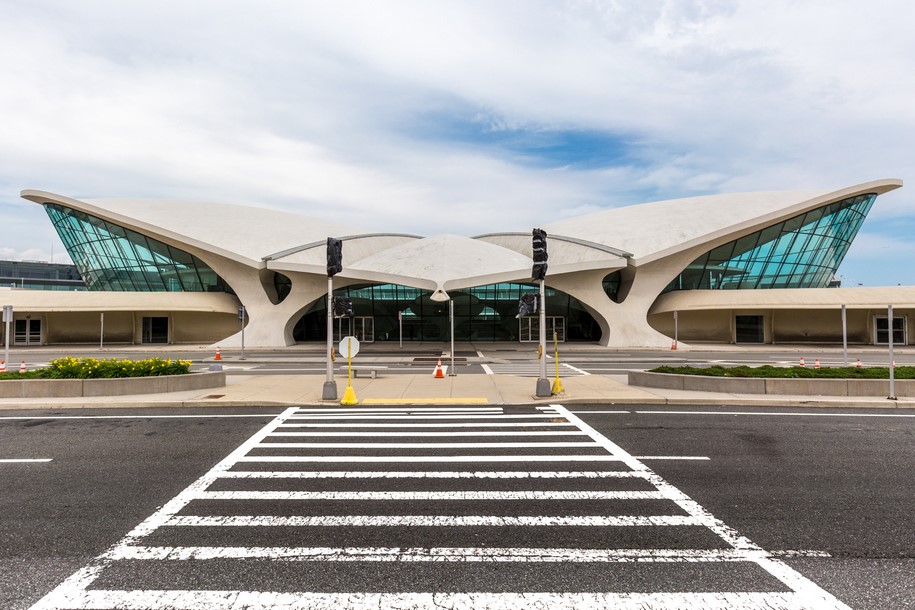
(93, 368)
(794, 372)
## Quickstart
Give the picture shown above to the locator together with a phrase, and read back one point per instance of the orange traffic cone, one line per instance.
(673, 346)
(816, 363)
(22, 366)
(859, 364)
(439, 374)
(802, 361)
(2, 366)
(218, 356)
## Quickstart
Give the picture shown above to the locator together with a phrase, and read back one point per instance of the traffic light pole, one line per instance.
(330, 386)
(543, 384)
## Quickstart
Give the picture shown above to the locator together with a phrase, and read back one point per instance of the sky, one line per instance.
(463, 117)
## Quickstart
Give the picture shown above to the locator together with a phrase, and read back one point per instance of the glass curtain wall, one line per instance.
(801, 252)
(483, 313)
(111, 257)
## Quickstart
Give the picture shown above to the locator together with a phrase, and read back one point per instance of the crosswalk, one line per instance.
(451, 507)
(525, 368)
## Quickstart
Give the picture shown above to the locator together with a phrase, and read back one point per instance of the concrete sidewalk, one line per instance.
(296, 390)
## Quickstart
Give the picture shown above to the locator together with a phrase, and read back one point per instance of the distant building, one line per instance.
(36, 275)
(742, 267)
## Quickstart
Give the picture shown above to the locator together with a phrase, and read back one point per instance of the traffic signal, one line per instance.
(343, 307)
(538, 248)
(527, 305)
(334, 256)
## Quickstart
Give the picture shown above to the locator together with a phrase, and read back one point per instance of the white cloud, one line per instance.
(324, 108)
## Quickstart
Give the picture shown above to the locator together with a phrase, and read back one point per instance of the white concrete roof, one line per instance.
(242, 233)
(42, 301)
(653, 230)
(786, 298)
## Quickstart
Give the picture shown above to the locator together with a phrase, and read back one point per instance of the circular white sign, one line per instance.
(349, 347)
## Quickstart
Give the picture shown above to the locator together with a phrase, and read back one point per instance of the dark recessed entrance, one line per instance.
(749, 329)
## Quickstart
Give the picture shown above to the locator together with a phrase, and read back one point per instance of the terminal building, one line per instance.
(728, 268)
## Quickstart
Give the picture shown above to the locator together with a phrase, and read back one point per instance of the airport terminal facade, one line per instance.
(743, 267)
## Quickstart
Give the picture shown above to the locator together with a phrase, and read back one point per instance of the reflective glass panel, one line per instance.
(801, 252)
(110, 257)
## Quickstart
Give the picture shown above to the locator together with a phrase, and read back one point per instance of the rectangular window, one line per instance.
(749, 329)
(882, 331)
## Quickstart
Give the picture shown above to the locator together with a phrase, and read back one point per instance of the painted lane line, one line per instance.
(433, 474)
(435, 425)
(422, 401)
(600, 412)
(506, 445)
(431, 434)
(672, 457)
(437, 521)
(428, 458)
(806, 589)
(270, 600)
(432, 416)
(768, 413)
(430, 495)
(82, 579)
(201, 416)
(444, 554)
(577, 370)
(23, 460)
(408, 410)
(486, 369)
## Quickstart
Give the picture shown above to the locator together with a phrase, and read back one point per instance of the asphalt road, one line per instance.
(827, 496)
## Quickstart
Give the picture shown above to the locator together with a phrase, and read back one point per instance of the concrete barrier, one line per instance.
(758, 385)
(120, 386)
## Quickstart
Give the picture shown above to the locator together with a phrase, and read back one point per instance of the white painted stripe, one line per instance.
(671, 457)
(432, 416)
(200, 416)
(428, 458)
(444, 554)
(450, 434)
(505, 445)
(577, 370)
(83, 578)
(430, 495)
(408, 410)
(600, 412)
(433, 474)
(259, 600)
(544, 424)
(791, 578)
(23, 460)
(438, 521)
(768, 413)
(486, 369)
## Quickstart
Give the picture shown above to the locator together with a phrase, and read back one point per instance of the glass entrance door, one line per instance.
(749, 329)
(155, 329)
(529, 329)
(27, 331)
(361, 327)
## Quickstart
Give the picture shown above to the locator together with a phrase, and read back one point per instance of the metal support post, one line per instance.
(543, 384)
(889, 324)
(101, 331)
(241, 317)
(330, 386)
(451, 371)
(844, 337)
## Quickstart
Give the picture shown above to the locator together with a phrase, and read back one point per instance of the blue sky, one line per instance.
(457, 116)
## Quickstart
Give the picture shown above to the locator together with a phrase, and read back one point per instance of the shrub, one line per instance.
(93, 368)
(795, 372)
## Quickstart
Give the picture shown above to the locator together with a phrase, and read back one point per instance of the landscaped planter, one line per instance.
(66, 388)
(756, 385)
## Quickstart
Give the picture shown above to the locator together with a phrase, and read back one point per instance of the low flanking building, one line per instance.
(743, 267)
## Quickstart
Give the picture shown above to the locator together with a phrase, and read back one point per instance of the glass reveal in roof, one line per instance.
(802, 252)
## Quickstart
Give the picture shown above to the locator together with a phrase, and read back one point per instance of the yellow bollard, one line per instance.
(557, 384)
(349, 394)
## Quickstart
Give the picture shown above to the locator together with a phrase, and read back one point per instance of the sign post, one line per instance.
(241, 318)
(349, 347)
(889, 328)
(7, 319)
(101, 332)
